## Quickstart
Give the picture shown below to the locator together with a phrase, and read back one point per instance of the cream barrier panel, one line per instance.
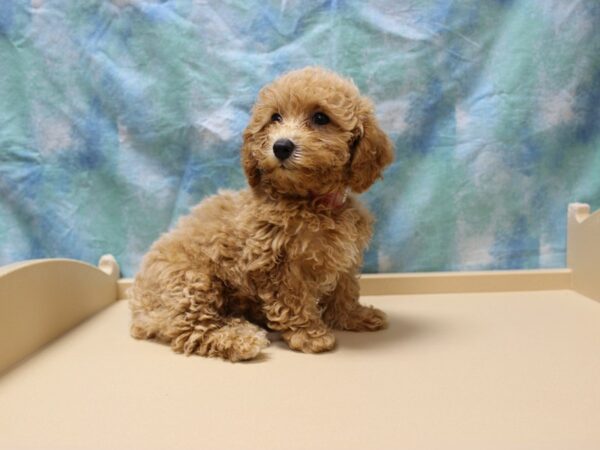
(42, 299)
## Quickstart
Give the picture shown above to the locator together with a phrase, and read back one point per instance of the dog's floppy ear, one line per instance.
(371, 149)
(259, 116)
(249, 160)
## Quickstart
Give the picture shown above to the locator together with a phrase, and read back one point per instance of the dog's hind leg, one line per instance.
(203, 329)
(231, 338)
(186, 310)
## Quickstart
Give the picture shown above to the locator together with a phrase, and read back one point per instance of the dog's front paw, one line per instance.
(310, 340)
(364, 318)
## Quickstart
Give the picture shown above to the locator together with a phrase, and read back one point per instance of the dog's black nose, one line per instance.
(283, 148)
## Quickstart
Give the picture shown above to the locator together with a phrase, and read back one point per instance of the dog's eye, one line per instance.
(276, 117)
(320, 119)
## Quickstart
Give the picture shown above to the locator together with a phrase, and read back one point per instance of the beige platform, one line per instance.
(493, 360)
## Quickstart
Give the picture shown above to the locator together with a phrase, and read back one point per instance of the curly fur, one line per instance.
(275, 255)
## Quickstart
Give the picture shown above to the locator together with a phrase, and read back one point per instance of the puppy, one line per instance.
(285, 253)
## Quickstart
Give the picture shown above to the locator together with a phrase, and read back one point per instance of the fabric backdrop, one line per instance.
(117, 116)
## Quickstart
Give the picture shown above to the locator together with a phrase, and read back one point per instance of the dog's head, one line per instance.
(311, 133)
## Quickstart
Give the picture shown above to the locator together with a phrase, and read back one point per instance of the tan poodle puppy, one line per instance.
(285, 253)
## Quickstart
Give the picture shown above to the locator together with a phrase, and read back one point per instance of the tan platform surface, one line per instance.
(517, 370)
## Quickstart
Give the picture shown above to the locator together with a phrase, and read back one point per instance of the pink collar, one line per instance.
(332, 200)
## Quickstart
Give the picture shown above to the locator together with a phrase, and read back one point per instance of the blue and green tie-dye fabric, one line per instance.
(117, 116)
